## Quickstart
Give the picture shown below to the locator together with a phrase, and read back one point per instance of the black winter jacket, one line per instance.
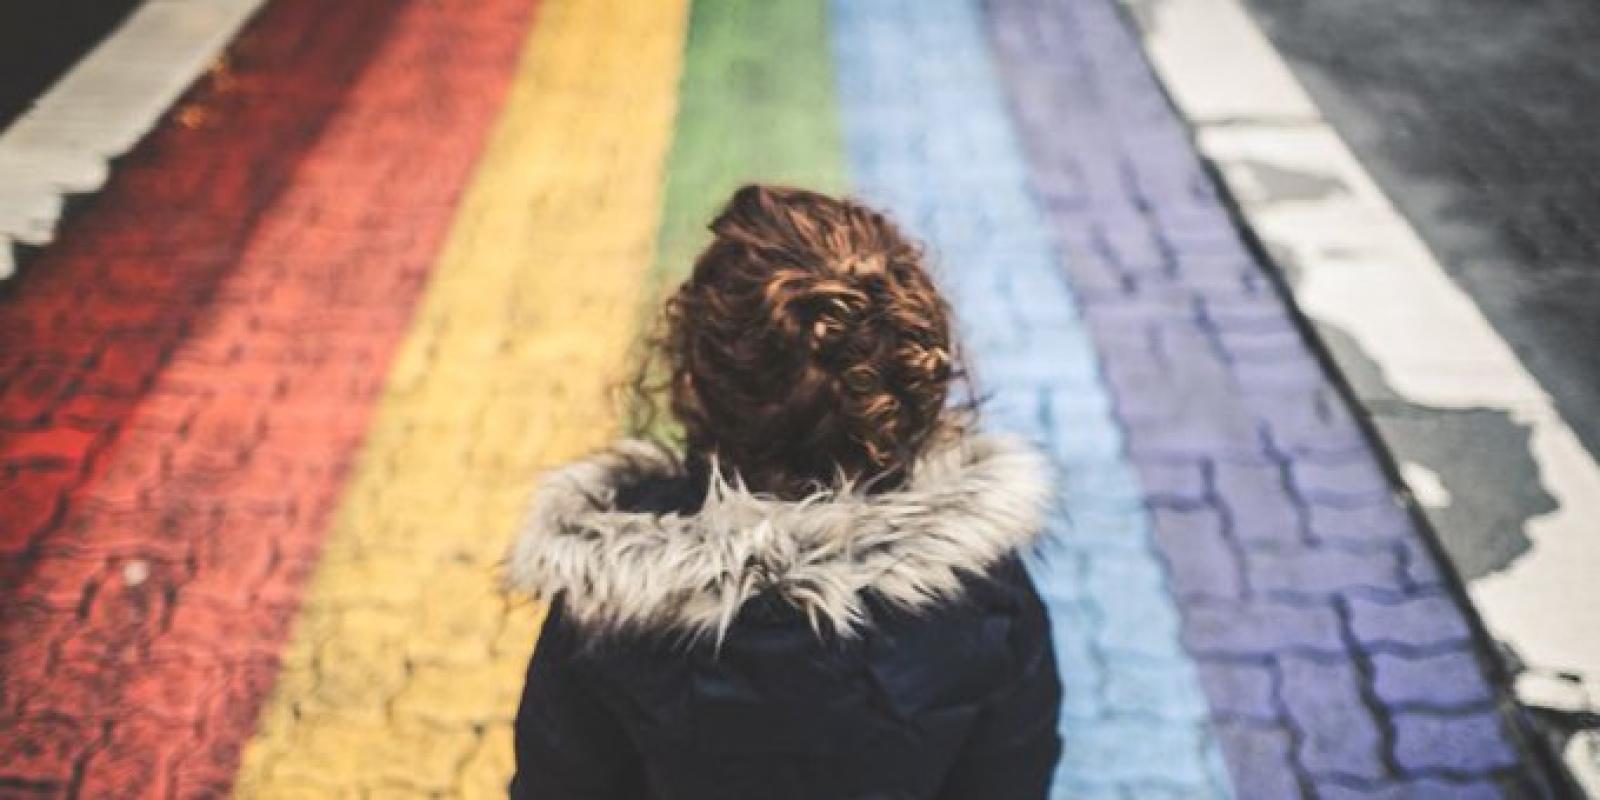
(854, 645)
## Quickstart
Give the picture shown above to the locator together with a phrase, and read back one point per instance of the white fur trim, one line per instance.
(967, 505)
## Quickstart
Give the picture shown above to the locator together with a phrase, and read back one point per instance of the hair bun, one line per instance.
(810, 340)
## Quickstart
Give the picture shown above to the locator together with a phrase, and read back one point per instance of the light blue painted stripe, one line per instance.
(930, 139)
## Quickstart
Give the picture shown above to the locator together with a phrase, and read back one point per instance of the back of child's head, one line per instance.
(808, 343)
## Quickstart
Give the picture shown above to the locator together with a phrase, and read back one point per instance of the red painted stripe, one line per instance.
(186, 376)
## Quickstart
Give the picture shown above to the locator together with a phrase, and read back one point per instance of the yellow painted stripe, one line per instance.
(406, 663)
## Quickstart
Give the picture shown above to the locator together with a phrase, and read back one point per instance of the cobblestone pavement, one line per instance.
(185, 379)
(403, 677)
(1476, 119)
(1322, 628)
(1240, 607)
(930, 137)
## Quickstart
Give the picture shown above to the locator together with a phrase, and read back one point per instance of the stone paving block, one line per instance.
(1108, 486)
(1133, 750)
(32, 501)
(1262, 346)
(1261, 760)
(1255, 628)
(1093, 273)
(1338, 734)
(1339, 483)
(46, 448)
(1244, 690)
(1112, 572)
(1373, 518)
(1204, 563)
(1100, 529)
(40, 750)
(1185, 438)
(1029, 368)
(1312, 426)
(1174, 484)
(1466, 744)
(1070, 403)
(1313, 570)
(1280, 377)
(1137, 624)
(1449, 679)
(1261, 508)
(1258, 314)
(1186, 345)
(1144, 393)
(1423, 620)
(34, 390)
(137, 753)
(1153, 689)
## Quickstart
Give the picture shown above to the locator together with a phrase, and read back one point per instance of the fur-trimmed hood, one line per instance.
(968, 504)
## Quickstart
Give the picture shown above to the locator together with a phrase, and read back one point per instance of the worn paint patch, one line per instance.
(1481, 458)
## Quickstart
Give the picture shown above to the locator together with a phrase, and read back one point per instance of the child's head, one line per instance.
(808, 341)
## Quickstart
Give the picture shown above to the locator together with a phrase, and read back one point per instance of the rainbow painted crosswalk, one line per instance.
(270, 410)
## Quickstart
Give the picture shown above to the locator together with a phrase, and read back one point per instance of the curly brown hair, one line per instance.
(808, 344)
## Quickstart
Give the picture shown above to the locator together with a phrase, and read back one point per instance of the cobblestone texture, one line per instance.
(1474, 118)
(186, 377)
(1238, 605)
(1308, 597)
(931, 139)
(403, 676)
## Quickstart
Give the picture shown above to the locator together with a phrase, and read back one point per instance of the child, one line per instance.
(822, 599)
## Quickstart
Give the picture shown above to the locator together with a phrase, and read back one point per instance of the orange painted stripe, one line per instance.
(185, 379)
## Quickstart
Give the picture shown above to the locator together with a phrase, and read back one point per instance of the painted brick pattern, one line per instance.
(1314, 610)
(930, 138)
(403, 675)
(188, 372)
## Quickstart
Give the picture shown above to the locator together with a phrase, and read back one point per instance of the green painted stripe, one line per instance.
(756, 103)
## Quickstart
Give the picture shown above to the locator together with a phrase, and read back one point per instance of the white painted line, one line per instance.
(1362, 269)
(102, 108)
(1425, 484)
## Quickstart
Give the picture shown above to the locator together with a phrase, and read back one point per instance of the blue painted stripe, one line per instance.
(929, 138)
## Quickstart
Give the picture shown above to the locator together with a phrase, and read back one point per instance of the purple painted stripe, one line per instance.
(1307, 597)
